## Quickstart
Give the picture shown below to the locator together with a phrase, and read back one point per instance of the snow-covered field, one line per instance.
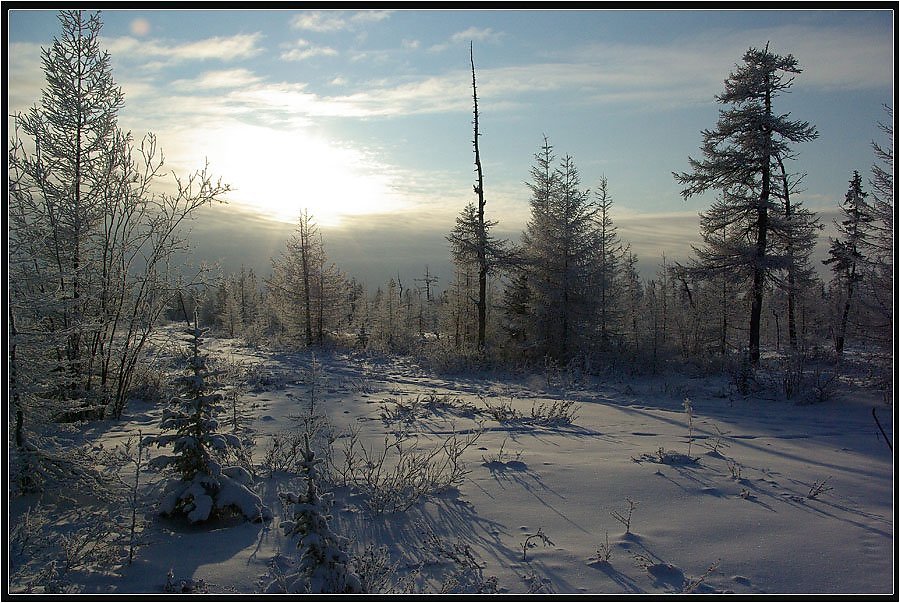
(741, 495)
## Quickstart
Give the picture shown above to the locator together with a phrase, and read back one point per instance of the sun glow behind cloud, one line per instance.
(280, 173)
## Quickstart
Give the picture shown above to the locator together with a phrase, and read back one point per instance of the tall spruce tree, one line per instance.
(609, 265)
(845, 257)
(878, 279)
(738, 160)
(550, 304)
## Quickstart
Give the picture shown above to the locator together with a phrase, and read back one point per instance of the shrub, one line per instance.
(401, 473)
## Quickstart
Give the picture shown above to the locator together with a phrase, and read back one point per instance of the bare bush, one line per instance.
(531, 541)
(819, 488)
(548, 414)
(604, 552)
(467, 574)
(401, 472)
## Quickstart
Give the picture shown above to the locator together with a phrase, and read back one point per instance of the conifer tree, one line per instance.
(471, 242)
(308, 291)
(92, 246)
(551, 302)
(609, 257)
(738, 159)
(795, 231)
(323, 565)
(846, 253)
(878, 292)
(202, 487)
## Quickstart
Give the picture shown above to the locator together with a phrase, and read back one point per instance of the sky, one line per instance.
(364, 118)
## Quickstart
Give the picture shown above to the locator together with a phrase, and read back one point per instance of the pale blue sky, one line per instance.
(364, 117)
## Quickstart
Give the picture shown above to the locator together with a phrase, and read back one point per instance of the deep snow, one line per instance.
(759, 529)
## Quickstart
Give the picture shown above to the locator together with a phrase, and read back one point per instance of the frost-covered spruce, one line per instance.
(324, 565)
(203, 486)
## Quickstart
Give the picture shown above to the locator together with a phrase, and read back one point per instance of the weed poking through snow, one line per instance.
(625, 519)
(531, 541)
(819, 488)
(604, 552)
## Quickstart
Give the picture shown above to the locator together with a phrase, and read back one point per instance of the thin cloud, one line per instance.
(26, 77)
(222, 48)
(319, 21)
(475, 33)
(467, 35)
(301, 50)
(689, 68)
(221, 79)
(330, 21)
(371, 16)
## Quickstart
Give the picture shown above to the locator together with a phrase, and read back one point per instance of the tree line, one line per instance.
(569, 290)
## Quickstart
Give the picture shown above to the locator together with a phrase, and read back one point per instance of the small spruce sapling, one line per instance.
(202, 486)
(324, 565)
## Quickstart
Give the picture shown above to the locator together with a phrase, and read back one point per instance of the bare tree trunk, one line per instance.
(304, 259)
(482, 233)
(791, 286)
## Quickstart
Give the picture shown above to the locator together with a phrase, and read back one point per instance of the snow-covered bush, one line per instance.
(398, 410)
(740, 373)
(203, 486)
(323, 565)
(43, 464)
(184, 585)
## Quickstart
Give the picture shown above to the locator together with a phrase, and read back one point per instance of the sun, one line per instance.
(281, 173)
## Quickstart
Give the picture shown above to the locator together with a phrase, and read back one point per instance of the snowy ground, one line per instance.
(747, 509)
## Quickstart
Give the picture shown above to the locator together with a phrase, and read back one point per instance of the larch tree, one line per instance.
(308, 291)
(738, 160)
(795, 230)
